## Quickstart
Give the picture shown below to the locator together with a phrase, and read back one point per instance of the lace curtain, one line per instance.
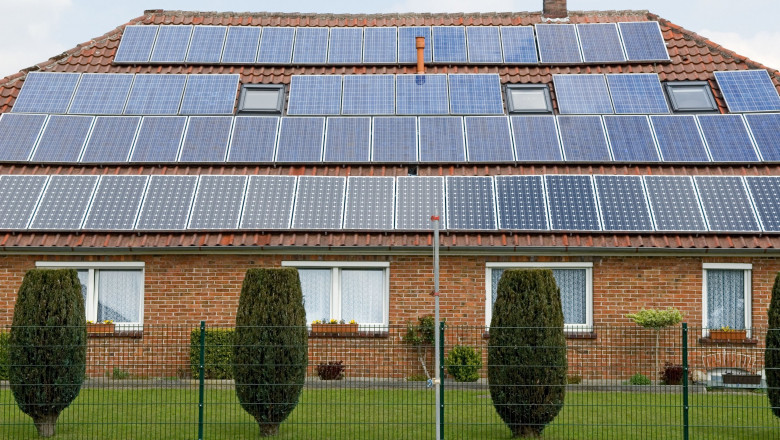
(725, 298)
(572, 283)
(315, 284)
(119, 295)
(361, 295)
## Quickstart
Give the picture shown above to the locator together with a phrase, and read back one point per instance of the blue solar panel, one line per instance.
(319, 202)
(765, 192)
(206, 45)
(583, 138)
(571, 202)
(167, 203)
(623, 203)
(111, 139)
(315, 95)
(158, 139)
(394, 139)
(726, 203)
(766, 132)
(64, 202)
(254, 138)
(475, 94)
(300, 140)
(484, 44)
(370, 203)
(417, 199)
(172, 43)
(346, 46)
(521, 203)
(558, 43)
(101, 94)
(582, 94)
(348, 140)
(18, 134)
(311, 46)
(210, 95)
(643, 41)
(470, 203)
(600, 42)
(488, 139)
(269, 202)
(631, 139)
(154, 94)
(18, 197)
(63, 139)
(441, 139)
(380, 45)
(637, 93)
(407, 49)
(241, 44)
(369, 95)
(421, 95)
(748, 91)
(116, 203)
(136, 45)
(727, 138)
(206, 139)
(217, 203)
(674, 203)
(536, 138)
(449, 44)
(276, 45)
(46, 92)
(518, 44)
(679, 139)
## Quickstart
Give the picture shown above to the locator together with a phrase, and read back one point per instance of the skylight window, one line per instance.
(690, 96)
(261, 98)
(528, 98)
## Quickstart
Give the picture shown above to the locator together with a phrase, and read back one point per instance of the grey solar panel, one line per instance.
(136, 44)
(727, 138)
(766, 133)
(345, 46)
(18, 135)
(64, 202)
(158, 139)
(484, 44)
(210, 95)
(674, 203)
(637, 93)
(269, 202)
(276, 45)
(300, 140)
(380, 45)
(254, 139)
(582, 94)
(63, 139)
(101, 94)
(623, 203)
(536, 138)
(315, 95)
(116, 203)
(726, 203)
(518, 45)
(765, 193)
(111, 139)
(421, 95)
(348, 139)
(488, 139)
(571, 203)
(171, 44)
(583, 139)
(643, 41)
(241, 45)
(679, 139)
(748, 91)
(558, 43)
(18, 197)
(311, 45)
(470, 203)
(154, 94)
(417, 199)
(217, 203)
(46, 92)
(370, 203)
(206, 44)
(166, 206)
(369, 95)
(475, 94)
(449, 44)
(407, 49)
(631, 138)
(319, 202)
(206, 139)
(521, 203)
(394, 139)
(441, 139)
(600, 42)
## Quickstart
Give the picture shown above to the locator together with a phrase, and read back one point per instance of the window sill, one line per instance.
(361, 334)
(746, 341)
(130, 334)
(569, 335)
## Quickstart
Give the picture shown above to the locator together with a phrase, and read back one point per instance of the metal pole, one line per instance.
(437, 375)
(441, 374)
(202, 377)
(685, 378)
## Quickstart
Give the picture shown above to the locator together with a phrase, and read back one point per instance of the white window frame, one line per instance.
(748, 269)
(587, 266)
(335, 289)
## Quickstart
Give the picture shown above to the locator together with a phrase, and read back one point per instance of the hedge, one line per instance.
(218, 353)
(4, 355)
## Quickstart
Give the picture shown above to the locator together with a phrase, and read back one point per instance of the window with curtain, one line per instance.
(725, 298)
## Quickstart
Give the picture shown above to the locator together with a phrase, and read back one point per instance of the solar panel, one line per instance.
(210, 95)
(154, 94)
(63, 139)
(158, 139)
(369, 95)
(407, 48)
(315, 95)
(727, 138)
(276, 45)
(558, 43)
(18, 134)
(116, 203)
(380, 45)
(46, 92)
(637, 93)
(111, 139)
(101, 94)
(582, 94)
(484, 44)
(623, 203)
(600, 43)
(346, 46)
(488, 139)
(254, 138)
(300, 140)
(521, 203)
(475, 94)
(206, 139)
(643, 41)
(536, 138)
(571, 203)
(217, 203)
(583, 138)
(679, 139)
(241, 44)
(441, 139)
(449, 44)
(172, 43)
(136, 44)
(64, 202)
(766, 133)
(631, 139)
(417, 199)
(348, 139)
(518, 44)
(166, 205)
(470, 203)
(394, 139)
(748, 91)
(370, 203)
(269, 202)
(206, 45)
(18, 198)
(674, 203)
(726, 203)
(319, 202)
(311, 45)
(421, 95)
(765, 193)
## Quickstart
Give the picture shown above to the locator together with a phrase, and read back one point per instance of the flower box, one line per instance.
(100, 328)
(742, 379)
(334, 328)
(728, 335)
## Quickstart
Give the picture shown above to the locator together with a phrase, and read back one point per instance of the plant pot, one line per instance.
(334, 328)
(100, 328)
(742, 379)
(728, 336)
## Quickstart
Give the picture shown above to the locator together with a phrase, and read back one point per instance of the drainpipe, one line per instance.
(420, 45)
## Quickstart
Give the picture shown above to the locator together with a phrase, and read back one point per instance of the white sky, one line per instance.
(35, 30)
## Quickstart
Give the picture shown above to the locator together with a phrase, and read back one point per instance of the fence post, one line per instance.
(441, 375)
(202, 377)
(685, 378)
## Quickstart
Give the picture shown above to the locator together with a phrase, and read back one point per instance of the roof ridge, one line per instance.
(161, 12)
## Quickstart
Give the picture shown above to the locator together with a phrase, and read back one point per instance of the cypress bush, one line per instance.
(772, 351)
(48, 345)
(527, 351)
(271, 346)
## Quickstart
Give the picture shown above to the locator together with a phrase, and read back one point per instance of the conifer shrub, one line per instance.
(772, 350)
(463, 363)
(4, 355)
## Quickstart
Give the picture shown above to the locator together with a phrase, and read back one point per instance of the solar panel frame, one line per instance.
(441, 139)
(571, 203)
(111, 139)
(153, 94)
(674, 204)
(218, 202)
(582, 94)
(46, 92)
(207, 44)
(241, 45)
(631, 138)
(116, 203)
(276, 45)
(425, 94)
(643, 41)
(417, 199)
(747, 91)
(637, 93)
(210, 94)
(301, 139)
(63, 138)
(449, 44)
(679, 138)
(521, 203)
(407, 49)
(558, 43)
(311, 45)
(394, 139)
(167, 203)
(101, 94)
(765, 193)
(380, 45)
(583, 139)
(136, 44)
(269, 202)
(518, 45)
(475, 94)
(726, 204)
(622, 203)
(206, 139)
(484, 45)
(600, 43)
(321, 197)
(370, 203)
(347, 139)
(368, 95)
(470, 203)
(345, 46)
(171, 44)
(488, 139)
(536, 138)
(315, 95)
(765, 130)
(727, 138)
(64, 203)
(159, 139)
(253, 139)
(18, 135)
(19, 196)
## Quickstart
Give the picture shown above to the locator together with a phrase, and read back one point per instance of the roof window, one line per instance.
(261, 98)
(690, 96)
(528, 98)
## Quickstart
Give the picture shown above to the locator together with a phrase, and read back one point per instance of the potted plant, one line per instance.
(728, 334)
(741, 379)
(334, 326)
(104, 327)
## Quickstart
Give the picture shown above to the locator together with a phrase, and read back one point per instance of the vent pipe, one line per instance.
(420, 45)
(555, 9)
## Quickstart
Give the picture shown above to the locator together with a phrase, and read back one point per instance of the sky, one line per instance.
(35, 30)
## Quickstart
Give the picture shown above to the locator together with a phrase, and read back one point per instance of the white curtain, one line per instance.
(119, 295)
(572, 283)
(725, 298)
(316, 285)
(361, 296)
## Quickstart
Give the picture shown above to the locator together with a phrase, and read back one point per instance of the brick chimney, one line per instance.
(555, 9)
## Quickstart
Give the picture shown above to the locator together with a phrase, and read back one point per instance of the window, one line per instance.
(726, 296)
(261, 98)
(690, 96)
(112, 291)
(528, 98)
(345, 290)
(574, 279)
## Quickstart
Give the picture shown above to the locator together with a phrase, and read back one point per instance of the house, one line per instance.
(635, 158)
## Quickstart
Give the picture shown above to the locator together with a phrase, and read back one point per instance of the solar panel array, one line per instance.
(632, 93)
